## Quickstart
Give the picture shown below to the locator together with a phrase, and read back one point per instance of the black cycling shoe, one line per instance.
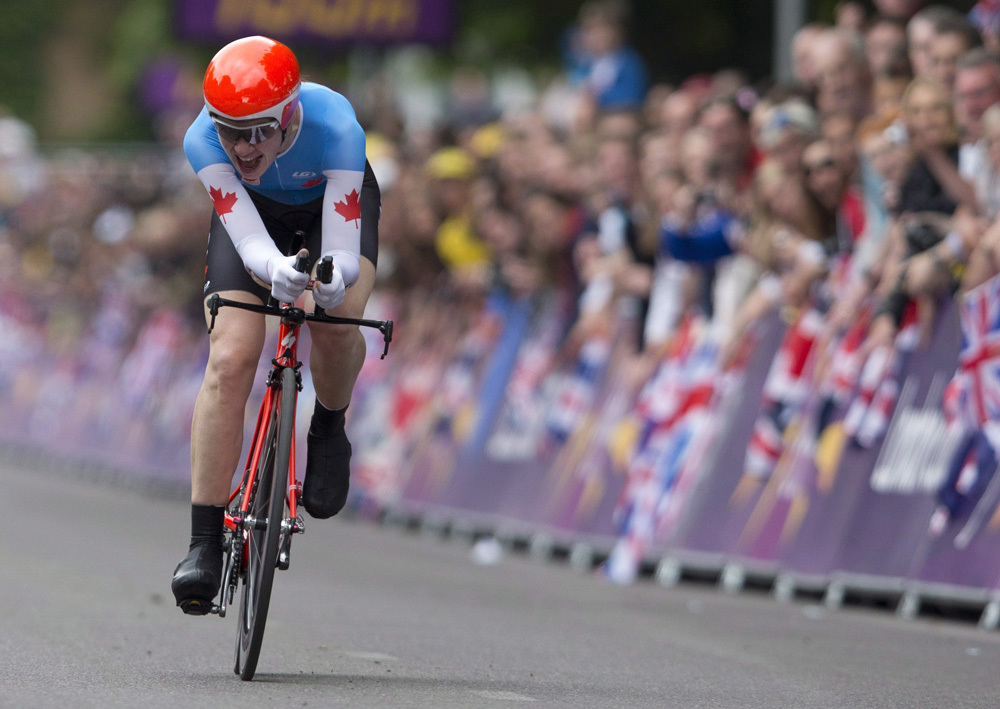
(328, 472)
(197, 579)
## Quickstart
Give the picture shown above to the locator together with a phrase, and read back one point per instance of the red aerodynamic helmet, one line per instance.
(253, 77)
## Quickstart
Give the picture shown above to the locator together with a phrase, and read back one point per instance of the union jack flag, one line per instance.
(662, 395)
(974, 392)
(675, 414)
(521, 426)
(785, 390)
(533, 363)
(414, 394)
(847, 362)
(457, 389)
(972, 410)
(868, 415)
(577, 390)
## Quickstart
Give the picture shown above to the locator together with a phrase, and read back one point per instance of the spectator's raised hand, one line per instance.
(984, 261)
(931, 272)
(969, 228)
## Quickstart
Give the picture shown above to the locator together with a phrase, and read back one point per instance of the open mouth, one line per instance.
(248, 166)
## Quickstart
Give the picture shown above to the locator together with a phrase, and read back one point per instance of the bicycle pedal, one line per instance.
(197, 606)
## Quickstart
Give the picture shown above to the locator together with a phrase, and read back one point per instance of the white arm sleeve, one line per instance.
(342, 221)
(240, 217)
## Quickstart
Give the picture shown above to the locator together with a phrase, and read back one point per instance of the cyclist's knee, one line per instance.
(334, 340)
(231, 366)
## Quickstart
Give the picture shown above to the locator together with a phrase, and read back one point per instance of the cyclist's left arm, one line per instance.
(344, 169)
(342, 221)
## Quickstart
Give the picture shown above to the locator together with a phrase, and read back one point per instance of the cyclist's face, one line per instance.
(252, 159)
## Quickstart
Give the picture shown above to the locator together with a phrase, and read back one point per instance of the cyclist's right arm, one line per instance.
(238, 214)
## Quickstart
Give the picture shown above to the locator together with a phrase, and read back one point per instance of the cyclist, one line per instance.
(284, 163)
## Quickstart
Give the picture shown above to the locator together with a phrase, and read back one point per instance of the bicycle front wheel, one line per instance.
(266, 512)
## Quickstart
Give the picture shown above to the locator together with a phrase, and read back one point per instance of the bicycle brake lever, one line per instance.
(213, 308)
(386, 336)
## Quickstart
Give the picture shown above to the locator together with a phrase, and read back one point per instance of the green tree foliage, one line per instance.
(677, 38)
(25, 26)
(518, 31)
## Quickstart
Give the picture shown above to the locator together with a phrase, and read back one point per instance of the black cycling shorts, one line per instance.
(292, 227)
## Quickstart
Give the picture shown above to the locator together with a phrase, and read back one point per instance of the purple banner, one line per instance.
(925, 467)
(799, 518)
(520, 435)
(822, 467)
(896, 481)
(714, 520)
(324, 22)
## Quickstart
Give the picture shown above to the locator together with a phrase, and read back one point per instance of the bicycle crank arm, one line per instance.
(228, 587)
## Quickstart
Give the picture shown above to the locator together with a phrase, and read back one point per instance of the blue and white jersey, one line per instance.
(325, 159)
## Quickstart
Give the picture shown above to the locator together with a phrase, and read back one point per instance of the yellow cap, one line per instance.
(376, 146)
(487, 140)
(450, 164)
(458, 246)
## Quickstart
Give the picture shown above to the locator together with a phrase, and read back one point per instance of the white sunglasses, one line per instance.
(251, 134)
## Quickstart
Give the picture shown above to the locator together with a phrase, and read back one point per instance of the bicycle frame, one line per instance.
(292, 318)
(287, 357)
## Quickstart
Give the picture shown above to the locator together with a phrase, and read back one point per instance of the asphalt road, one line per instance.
(371, 616)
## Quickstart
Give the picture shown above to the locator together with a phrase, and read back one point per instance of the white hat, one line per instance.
(793, 114)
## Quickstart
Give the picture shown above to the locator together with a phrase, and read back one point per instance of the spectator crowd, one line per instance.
(851, 198)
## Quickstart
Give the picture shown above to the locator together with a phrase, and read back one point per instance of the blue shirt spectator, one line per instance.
(618, 80)
(710, 238)
(612, 72)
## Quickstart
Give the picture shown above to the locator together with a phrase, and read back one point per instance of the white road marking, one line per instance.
(502, 696)
(375, 656)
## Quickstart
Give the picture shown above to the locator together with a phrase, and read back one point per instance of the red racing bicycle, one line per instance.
(262, 514)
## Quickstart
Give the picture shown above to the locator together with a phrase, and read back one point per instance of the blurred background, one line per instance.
(661, 271)
(100, 70)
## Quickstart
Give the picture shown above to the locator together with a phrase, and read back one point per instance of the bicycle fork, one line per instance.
(239, 523)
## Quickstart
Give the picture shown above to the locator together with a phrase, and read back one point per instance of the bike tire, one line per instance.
(262, 547)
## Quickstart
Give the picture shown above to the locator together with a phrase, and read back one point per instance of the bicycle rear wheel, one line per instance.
(266, 513)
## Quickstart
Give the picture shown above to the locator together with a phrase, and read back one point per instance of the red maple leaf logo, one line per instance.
(350, 208)
(312, 183)
(223, 203)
